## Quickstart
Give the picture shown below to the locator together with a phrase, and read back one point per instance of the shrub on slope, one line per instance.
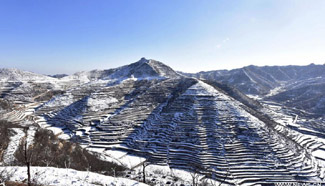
(48, 150)
(5, 135)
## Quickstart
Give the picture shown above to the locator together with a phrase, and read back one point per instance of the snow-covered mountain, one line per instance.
(300, 87)
(146, 113)
(144, 68)
(15, 75)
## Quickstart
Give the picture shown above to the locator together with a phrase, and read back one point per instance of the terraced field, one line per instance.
(178, 122)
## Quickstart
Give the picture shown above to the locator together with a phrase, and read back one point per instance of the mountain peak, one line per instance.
(144, 68)
(144, 60)
(141, 69)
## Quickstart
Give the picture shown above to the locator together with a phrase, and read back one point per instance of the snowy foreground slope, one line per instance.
(64, 177)
(145, 113)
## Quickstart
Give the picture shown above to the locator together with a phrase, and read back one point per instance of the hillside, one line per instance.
(145, 113)
(299, 87)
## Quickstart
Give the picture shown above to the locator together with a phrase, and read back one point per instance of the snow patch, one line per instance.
(30, 135)
(62, 100)
(64, 177)
(9, 155)
(96, 103)
(201, 88)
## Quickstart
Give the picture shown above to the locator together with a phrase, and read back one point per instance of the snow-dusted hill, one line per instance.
(146, 113)
(142, 69)
(300, 87)
(15, 75)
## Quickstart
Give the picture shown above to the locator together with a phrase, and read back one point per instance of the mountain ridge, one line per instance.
(172, 120)
(13, 74)
(144, 68)
(284, 81)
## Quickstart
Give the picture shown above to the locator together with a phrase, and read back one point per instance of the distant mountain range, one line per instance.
(301, 87)
(58, 75)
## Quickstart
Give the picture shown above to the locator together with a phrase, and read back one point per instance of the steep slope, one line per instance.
(209, 132)
(182, 123)
(298, 87)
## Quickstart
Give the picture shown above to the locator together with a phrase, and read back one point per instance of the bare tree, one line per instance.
(208, 176)
(144, 165)
(195, 178)
(27, 158)
(113, 169)
(28, 154)
(195, 174)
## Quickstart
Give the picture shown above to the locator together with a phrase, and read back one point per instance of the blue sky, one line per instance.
(65, 36)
